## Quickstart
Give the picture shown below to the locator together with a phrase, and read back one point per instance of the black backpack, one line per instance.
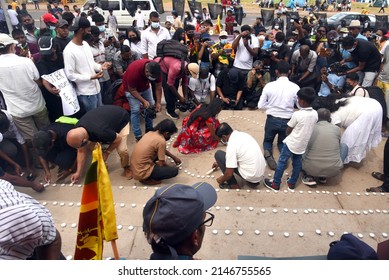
(109, 96)
(173, 48)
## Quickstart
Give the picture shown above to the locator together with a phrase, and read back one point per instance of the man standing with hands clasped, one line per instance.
(80, 67)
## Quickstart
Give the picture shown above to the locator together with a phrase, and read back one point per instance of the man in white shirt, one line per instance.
(246, 46)
(243, 156)
(278, 98)
(203, 88)
(80, 67)
(19, 80)
(139, 19)
(13, 17)
(154, 34)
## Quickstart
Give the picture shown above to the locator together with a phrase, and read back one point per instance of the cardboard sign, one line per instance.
(67, 92)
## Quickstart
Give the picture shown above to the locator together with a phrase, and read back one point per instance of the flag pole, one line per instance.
(115, 250)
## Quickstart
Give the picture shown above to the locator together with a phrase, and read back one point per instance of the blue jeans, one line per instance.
(281, 166)
(273, 127)
(89, 102)
(343, 151)
(135, 112)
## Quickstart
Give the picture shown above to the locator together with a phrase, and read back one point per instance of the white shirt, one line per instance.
(13, 17)
(80, 66)
(150, 39)
(279, 97)
(243, 59)
(13, 131)
(303, 123)
(201, 89)
(244, 153)
(21, 93)
(140, 20)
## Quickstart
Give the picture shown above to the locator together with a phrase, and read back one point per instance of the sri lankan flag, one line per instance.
(97, 221)
(218, 25)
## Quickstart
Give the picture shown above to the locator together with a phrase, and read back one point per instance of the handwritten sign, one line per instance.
(67, 92)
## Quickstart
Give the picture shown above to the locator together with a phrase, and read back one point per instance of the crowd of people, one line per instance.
(337, 77)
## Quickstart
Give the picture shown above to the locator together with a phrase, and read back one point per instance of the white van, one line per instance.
(124, 10)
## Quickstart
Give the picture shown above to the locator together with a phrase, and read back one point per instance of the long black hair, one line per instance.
(330, 102)
(206, 111)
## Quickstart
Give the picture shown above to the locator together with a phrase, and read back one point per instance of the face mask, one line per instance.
(224, 142)
(87, 37)
(351, 50)
(277, 44)
(155, 25)
(276, 27)
(139, 11)
(151, 78)
(349, 87)
(133, 39)
(30, 26)
(101, 28)
(196, 14)
(51, 27)
(190, 36)
(290, 44)
(223, 41)
(261, 37)
(186, 16)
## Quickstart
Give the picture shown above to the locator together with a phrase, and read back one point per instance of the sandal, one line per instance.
(378, 189)
(378, 175)
(225, 186)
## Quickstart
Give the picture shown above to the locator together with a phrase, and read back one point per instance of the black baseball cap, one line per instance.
(79, 22)
(176, 211)
(45, 44)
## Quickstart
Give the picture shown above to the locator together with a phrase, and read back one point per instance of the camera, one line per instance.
(232, 103)
(337, 68)
(150, 112)
(270, 51)
(263, 70)
(187, 106)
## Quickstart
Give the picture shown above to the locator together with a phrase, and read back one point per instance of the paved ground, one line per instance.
(244, 219)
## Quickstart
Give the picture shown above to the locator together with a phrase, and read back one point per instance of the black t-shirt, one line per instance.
(229, 89)
(61, 129)
(283, 51)
(365, 51)
(104, 122)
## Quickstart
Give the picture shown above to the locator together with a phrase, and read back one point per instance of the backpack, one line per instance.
(350, 247)
(173, 48)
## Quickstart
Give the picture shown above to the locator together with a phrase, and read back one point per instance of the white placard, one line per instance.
(67, 92)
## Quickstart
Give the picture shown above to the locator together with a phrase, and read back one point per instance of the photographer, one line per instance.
(367, 57)
(202, 89)
(246, 47)
(330, 82)
(136, 82)
(303, 67)
(257, 78)
(229, 87)
(278, 51)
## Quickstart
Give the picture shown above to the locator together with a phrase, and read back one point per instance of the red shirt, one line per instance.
(135, 76)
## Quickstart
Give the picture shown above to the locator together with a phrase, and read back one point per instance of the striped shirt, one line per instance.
(24, 224)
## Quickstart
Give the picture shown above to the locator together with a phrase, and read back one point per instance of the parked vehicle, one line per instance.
(349, 16)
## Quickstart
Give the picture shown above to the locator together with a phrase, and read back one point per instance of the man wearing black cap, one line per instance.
(62, 39)
(51, 146)
(80, 67)
(174, 220)
(229, 87)
(366, 55)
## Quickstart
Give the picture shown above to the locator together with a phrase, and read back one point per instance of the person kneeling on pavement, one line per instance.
(243, 156)
(324, 155)
(148, 162)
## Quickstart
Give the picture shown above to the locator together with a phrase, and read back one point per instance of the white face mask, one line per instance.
(196, 14)
(276, 27)
(261, 37)
(290, 44)
(155, 25)
(101, 28)
(350, 50)
(51, 27)
(151, 78)
(224, 142)
(277, 44)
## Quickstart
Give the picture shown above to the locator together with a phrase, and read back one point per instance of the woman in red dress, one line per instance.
(198, 129)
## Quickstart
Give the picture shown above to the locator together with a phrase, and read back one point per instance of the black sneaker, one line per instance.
(270, 160)
(172, 115)
(291, 187)
(269, 183)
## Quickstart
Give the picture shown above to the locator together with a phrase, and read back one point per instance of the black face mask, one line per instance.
(87, 37)
(349, 87)
(133, 39)
(30, 26)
